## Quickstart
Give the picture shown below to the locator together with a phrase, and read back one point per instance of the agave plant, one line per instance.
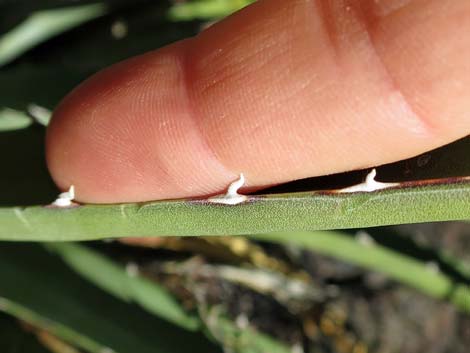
(89, 297)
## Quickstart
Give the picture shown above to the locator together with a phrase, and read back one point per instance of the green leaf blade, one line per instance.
(262, 214)
(128, 287)
(43, 25)
(39, 288)
(402, 268)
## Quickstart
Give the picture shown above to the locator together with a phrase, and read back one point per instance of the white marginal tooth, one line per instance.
(369, 185)
(236, 185)
(231, 197)
(65, 198)
(72, 192)
(62, 202)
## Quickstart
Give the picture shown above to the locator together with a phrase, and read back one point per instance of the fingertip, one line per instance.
(127, 134)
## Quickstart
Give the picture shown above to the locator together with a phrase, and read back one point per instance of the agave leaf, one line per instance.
(116, 280)
(265, 213)
(454, 267)
(42, 25)
(126, 286)
(376, 257)
(38, 288)
(242, 340)
(205, 9)
(45, 76)
(11, 120)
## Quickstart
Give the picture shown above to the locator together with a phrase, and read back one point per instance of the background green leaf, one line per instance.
(126, 286)
(11, 120)
(206, 9)
(117, 281)
(39, 288)
(42, 25)
(373, 256)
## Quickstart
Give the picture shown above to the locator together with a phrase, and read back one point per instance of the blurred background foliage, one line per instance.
(393, 289)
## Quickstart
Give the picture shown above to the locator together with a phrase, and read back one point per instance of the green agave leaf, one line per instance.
(14, 339)
(39, 288)
(129, 287)
(393, 239)
(206, 9)
(260, 214)
(247, 340)
(373, 256)
(11, 120)
(44, 76)
(43, 25)
(115, 280)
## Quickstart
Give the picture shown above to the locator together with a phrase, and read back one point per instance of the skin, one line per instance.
(279, 91)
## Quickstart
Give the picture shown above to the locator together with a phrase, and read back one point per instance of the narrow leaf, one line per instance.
(405, 269)
(116, 281)
(205, 9)
(38, 288)
(246, 340)
(43, 25)
(260, 214)
(11, 120)
(124, 285)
